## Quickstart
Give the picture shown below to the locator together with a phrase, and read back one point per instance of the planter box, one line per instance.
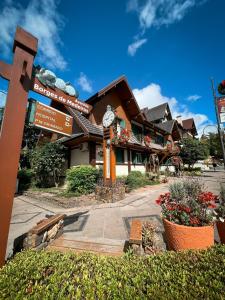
(180, 237)
(221, 231)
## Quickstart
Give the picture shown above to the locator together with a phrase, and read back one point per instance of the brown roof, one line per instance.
(126, 94)
(189, 124)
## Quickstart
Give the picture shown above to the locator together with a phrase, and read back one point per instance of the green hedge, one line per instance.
(82, 179)
(53, 275)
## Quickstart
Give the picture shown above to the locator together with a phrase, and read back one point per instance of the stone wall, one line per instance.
(44, 232)
(109, 194)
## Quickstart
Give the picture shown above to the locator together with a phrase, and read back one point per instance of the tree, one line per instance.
(193, 150)
(47, 162)
(214, 145)
(29, 142)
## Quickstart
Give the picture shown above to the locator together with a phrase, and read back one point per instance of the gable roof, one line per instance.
(167, 126)
(189, 124)
(85, 124)
(122, 87)
(157, 112)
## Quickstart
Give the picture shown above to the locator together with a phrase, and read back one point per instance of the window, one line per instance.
(159, 139)
(120, 155)
(137, 131)
(120, 125)
(137, 157)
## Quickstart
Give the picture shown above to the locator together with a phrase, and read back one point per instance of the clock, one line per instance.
(108, 117)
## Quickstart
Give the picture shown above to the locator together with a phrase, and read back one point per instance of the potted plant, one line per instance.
(220, 211)
(188, 215)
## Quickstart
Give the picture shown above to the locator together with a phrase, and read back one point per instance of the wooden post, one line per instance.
(112, 158)
(19, 75)
(129, 159)
(106, 162)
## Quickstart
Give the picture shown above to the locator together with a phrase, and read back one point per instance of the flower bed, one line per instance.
(171, 275)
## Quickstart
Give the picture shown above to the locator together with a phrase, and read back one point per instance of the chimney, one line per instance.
(179, 119)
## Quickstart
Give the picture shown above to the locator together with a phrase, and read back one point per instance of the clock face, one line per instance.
(108, 118)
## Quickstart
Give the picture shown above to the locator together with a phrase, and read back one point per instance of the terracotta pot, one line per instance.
(180, 237)
(221, 231)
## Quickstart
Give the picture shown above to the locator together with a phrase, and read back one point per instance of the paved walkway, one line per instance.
(101, 223)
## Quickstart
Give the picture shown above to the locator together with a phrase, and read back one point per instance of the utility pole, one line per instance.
(218, 121)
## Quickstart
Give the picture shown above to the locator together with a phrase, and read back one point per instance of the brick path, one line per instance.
(101, 224)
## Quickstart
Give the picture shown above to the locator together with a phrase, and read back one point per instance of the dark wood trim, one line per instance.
(129, 160)
(69, 158)
(92, 153)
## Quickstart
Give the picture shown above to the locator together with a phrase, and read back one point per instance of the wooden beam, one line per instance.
(25, 48)
(112, 158)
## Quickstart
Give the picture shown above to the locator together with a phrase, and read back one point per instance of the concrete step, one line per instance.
(98, 246)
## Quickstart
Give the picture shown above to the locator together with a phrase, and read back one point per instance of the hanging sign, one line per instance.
(47, 84)
(59, 96)
(221, 109)
(46, 117)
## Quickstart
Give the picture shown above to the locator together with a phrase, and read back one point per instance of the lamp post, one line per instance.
(210, 125)
(218, 121)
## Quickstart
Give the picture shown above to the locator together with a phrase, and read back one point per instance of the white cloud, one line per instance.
(193, 98)
(40, 18)
(132, 48)
(151, 96)
(85, 83)
(157, 13)
(2, 98)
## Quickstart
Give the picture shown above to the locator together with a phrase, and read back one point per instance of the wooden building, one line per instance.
(148, 141)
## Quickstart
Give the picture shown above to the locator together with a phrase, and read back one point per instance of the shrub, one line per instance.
(54, 275)
(47, 163)
(82, 179)
(136, 179)
(25, 177)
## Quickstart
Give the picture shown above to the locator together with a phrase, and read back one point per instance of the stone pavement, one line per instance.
(103, 223)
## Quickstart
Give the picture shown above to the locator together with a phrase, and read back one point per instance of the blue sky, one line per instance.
(168, 49)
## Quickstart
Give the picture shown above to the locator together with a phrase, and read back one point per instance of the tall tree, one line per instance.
(193, 150)
(214, 145)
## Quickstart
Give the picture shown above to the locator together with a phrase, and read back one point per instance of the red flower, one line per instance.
(158, 201)
(185, 208)
(206, 197)
(212, 205)
(223, 83)
(194, 221)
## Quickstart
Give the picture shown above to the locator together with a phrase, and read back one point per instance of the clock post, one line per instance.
(109, 158)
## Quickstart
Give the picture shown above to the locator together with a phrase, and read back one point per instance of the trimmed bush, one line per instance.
(82, 179)
(54, 275)
(136, 179)
(25, 177)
